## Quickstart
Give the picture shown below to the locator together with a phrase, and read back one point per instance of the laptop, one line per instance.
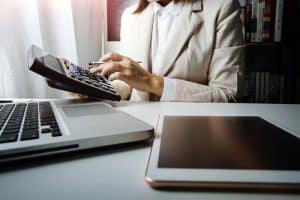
(36, 128)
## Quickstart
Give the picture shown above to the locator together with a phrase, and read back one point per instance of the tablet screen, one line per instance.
(235, 142)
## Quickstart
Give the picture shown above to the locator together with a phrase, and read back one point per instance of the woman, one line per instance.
(189, 51)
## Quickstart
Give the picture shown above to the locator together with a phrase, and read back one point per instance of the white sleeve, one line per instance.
(168, 93)
(122, 88)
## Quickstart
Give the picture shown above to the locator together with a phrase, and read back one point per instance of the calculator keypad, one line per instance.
(85, 76)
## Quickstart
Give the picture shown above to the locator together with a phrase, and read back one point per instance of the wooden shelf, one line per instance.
(263, 44)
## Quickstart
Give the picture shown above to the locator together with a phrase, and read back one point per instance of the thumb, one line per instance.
(118, 76)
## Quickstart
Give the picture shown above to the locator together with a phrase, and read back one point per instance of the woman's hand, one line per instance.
(123, 68)
(77, 95)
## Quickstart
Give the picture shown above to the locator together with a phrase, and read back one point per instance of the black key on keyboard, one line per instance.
(56, 133)
(10, 131)
(31, 119)
(1, 125)
(55, 129)
(30, 134)
(46, 130)
(4, 114)
(14, 123)
(8, 138)
(30, 127)
(46, 113)
(11, 119)
(48, 119)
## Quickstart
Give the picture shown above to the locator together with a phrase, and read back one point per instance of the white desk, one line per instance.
(120, 174)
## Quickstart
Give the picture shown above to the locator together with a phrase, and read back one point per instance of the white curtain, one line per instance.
(67, 28)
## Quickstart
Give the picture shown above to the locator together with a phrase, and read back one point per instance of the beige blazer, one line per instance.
(204, 55)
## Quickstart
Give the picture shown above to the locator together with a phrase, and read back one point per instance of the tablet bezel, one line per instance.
(217, 178)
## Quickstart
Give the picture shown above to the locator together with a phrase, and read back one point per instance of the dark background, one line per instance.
(291, 51)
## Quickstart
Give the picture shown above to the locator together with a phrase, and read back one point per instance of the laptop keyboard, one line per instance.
(26, 121)
(85, 76)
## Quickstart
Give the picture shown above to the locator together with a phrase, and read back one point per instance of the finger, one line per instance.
(119, 76)
(110, 67)
(111, 57)
(72, 94)
(82, 96)
(78, 96)
(63, 60)
(96, 69)
(115, 76)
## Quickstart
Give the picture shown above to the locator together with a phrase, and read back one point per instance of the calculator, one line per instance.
(65, 75)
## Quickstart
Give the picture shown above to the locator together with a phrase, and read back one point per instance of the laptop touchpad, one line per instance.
(85, 120)
(87, 110)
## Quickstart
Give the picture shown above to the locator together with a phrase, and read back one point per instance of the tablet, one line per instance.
(223, 152)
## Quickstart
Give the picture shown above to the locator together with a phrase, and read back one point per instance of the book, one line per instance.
(267, 21)
(263, 20)
(278, 20)
(267, 89)
(247, 20)
(260, 20)
(257, 90)
(262, 87)
(254, 21)
(275, 90)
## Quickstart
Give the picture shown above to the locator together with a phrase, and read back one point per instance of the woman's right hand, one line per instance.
(118, 67)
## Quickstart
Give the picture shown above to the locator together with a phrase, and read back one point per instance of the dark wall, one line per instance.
(298, 55)
(290, 51)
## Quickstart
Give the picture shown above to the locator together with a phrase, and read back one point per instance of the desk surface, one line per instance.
(120, 174)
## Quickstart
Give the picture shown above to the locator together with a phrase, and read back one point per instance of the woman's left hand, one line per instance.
(123, 68)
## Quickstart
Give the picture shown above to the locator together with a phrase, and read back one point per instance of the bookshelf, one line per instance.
(264, 80)
(263, 57)
(271, 75)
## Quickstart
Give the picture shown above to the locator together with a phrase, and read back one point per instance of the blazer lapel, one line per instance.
(143, 36)
(182, 29)
(138, 47)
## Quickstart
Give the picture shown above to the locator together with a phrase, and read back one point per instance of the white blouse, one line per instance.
(163, 21)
